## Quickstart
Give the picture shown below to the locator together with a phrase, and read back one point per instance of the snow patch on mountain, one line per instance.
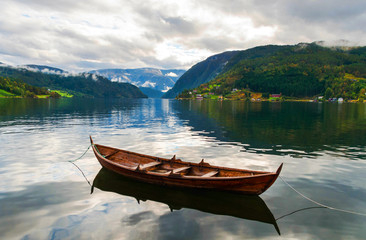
(149, 84)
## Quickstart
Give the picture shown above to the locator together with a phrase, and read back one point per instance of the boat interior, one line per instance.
(169, 167)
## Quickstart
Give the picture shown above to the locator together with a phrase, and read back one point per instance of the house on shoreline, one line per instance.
(275, 97)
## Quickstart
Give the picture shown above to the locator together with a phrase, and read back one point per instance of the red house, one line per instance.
(276, 95)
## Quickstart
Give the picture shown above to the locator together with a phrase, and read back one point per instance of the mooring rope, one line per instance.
(320, 204)
(81, 155)
(73, 162)
(81, 173)
(98, 150)
(296, 211)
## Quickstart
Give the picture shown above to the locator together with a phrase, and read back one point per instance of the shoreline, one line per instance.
(278, 101)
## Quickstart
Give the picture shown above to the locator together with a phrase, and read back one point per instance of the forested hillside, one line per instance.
(83, 85)
(302, 70)
(13, 87)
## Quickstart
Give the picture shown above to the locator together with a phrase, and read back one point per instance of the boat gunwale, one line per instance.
(154, 158)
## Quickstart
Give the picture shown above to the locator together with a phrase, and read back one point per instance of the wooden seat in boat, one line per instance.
(148, 165)
(210, 174)
(181, 169)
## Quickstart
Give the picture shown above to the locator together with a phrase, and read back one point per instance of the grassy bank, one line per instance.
(4, 93)
(53, 94)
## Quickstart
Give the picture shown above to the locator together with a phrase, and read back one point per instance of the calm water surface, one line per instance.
(42, 196)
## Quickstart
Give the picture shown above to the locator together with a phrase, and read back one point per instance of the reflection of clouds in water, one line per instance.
(68, 210)
(192, 224)
(176, 226)
(125, 219)
(104, 221)
(115, 218)
(38, 205)
(137, 218)
(318, 223)
(40, 157)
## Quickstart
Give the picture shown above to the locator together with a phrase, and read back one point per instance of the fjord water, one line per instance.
(43, 196)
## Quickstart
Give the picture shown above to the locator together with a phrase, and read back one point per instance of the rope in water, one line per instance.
(320, 204)
(73, 162)
(81, 172)
(81, 155)
(296, 211)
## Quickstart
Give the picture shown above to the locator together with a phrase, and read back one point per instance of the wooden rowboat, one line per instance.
(236, 205)
(177, 173)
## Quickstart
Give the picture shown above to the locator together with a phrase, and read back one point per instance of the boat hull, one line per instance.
(252, 185)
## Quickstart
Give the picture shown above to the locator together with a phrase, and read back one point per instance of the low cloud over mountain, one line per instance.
(156, 79)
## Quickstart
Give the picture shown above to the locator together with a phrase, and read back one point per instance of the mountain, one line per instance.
(83, 84)
(301, 70)
(201, 73)
(156, 79)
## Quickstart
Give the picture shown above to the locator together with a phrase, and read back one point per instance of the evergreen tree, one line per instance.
(328, 93)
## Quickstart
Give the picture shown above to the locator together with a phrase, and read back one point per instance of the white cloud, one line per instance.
(28, 68)
(80, 35)
(171, 74)
(50, 71)
(94, 77)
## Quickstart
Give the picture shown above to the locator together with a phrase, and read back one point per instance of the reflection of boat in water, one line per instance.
(177, 173)
(210, 201)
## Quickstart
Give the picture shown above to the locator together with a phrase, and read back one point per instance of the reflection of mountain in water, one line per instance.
(139, 113)
(221, 203)
(280, 128)
(72, 106)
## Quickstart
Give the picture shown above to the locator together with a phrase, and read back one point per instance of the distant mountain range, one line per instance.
(153, 82)
(81, 84)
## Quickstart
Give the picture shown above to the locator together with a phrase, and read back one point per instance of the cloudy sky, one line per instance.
(79, 35)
